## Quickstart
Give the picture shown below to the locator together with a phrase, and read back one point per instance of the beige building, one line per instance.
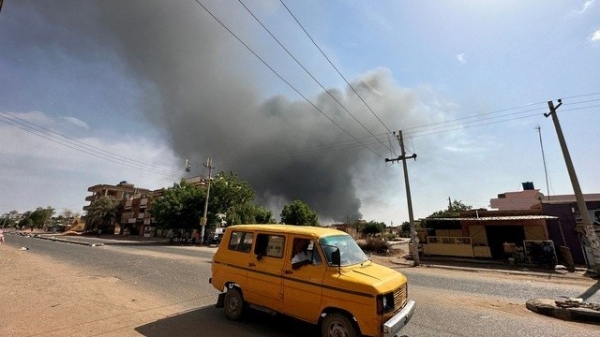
(134, 201)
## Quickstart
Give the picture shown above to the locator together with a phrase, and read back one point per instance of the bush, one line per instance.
(375, 245)
(390, 236)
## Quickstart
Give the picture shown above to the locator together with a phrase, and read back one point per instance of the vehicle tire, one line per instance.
(234, 304)
(338, 325)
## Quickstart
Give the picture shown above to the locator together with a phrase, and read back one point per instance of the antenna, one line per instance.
(544, 159)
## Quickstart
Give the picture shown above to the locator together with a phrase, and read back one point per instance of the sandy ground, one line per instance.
(42, 297)
(34, 300)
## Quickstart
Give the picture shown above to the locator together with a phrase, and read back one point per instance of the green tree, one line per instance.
(453, 210)
(405, 229)
(102, 214)
(298, 213)
(372, 228)
(41, 216)
(263, 215)
(179, 207)
(229, 195)
(26, 221)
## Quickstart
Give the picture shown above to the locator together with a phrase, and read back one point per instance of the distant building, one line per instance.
(350, 229)
(519, 218)
(527, 199)
(121, 191)
(124, 193)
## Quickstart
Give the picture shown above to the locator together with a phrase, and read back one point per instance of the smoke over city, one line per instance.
(206, 91)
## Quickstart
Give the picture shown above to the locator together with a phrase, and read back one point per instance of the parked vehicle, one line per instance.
(215, 236)
(318, 275)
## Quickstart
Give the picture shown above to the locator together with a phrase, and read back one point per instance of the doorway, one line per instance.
(499, 234)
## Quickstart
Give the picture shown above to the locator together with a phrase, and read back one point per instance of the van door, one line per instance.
(302, 284)
(234, 260)
(265, 270)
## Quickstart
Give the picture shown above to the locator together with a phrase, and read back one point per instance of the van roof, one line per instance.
(294, 229)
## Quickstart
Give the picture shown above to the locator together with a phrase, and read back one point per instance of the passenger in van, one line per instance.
(301, 255)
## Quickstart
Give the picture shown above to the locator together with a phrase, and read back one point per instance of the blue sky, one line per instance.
(96, 92)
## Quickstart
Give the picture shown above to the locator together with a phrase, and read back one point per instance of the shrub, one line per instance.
(375, 245)
(390, 236)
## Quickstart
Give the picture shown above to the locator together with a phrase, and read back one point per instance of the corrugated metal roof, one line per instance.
(567, 198)
(498, 218)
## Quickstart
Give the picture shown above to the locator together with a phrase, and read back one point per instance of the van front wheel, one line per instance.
(234, 304)
(337, 325)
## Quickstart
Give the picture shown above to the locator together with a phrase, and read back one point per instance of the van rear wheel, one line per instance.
(338, 325)
(234, 304)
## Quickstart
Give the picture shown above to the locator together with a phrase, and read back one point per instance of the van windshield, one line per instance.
(350, 252)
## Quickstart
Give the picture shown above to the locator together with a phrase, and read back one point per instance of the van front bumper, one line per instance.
(396, 323)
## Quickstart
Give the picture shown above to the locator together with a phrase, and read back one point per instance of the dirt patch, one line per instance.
(43, 297)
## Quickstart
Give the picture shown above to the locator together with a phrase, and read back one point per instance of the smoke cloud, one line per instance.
(203, 89)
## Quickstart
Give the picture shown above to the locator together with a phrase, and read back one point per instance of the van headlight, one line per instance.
(385, 303)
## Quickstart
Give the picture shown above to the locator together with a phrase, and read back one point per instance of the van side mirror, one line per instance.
(335, 257)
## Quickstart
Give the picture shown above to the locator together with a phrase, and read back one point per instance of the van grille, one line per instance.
(400, 297)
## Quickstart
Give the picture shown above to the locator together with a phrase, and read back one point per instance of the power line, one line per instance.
(426, 130)
(77, 145)
(334, 67)
(284, 80)
(309, 73)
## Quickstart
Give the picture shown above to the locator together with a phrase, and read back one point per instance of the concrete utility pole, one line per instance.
(413, 232)
(583, 211)
(203, 220)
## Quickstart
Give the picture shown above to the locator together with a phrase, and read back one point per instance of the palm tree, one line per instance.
(102, 214)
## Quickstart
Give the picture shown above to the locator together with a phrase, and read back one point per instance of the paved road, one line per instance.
(448, 303)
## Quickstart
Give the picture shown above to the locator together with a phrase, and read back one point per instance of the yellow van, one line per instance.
(318, 275)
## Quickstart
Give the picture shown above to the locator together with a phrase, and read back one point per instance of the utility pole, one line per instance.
(583, 211)
(203, 220)
(413, 232)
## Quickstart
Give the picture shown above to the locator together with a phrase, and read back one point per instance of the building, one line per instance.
(568, 230)
(135, 217)
(124, 194)
(121, 191)
(529, 198)
(484, 233)
(521, 221)
(134, 202)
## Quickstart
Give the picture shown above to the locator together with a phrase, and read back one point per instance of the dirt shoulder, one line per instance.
(42, 297)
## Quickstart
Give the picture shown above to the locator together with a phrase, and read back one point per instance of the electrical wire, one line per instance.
(334, 67)
(77, 145)
(283, 79)
(309, 73)
(424, 131)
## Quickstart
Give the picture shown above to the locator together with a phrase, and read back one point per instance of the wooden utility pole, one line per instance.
(413, 232)
(203, 219)
(583, 211)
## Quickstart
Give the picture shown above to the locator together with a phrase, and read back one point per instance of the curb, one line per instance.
(548, 307)
(69, 241)
(492, 270)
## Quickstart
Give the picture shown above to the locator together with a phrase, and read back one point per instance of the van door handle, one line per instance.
(251, 264)
(288, 272)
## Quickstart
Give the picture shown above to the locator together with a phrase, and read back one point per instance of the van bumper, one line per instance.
(396, 323)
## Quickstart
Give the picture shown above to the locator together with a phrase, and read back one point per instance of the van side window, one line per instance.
(304, 252)
(269, 245)
(240, 241)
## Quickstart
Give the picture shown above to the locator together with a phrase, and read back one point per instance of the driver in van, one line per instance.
(301, 255)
